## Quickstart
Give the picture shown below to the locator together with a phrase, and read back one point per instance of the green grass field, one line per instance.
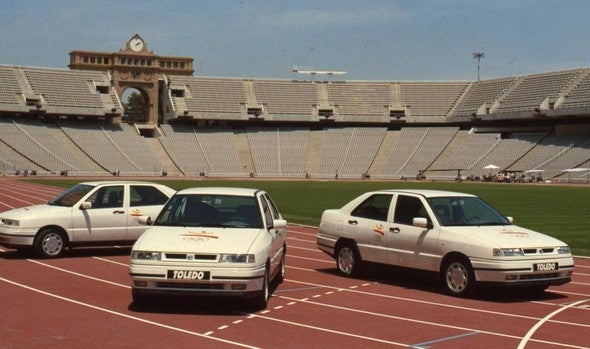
(559, 211)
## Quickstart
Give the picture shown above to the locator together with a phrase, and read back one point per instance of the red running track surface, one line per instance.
(83, 300)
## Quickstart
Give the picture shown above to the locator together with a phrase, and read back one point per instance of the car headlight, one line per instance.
(563, 250)
(10, 222)
(508, 252)
(236, 258)
(146, 256)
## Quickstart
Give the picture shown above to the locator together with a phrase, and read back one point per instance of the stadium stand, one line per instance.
(286, 97)
(529, 92)
(54, 121)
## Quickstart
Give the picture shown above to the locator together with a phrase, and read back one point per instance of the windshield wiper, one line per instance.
(491, 223)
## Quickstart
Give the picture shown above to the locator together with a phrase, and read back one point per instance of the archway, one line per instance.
(136, 105)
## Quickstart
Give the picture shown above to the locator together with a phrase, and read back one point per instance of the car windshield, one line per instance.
(465, 211)
(198, 210)
(71, 196)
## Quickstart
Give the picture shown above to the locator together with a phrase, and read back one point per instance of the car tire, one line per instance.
(348, 260)
(49, 243)
(280, 277)
(140, 298)
(458, 277)
(263, 295)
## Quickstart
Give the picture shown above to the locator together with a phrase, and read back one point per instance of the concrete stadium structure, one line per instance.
(58, 121)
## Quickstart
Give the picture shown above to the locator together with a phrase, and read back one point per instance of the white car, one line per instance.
(456, 235)
(90, 213)
(211, 241)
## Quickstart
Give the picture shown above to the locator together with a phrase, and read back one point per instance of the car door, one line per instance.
(144, 200)
(105, 219)
(368, 225)
(278, 235)
(408, 245)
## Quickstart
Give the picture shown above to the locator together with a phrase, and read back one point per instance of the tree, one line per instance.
(135, 107)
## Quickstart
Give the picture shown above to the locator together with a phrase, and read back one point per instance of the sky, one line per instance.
(395, 40)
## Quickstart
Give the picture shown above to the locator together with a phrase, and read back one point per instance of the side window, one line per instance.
(107, 197)
(407, 208)
(145, 195)
(375, 207)
(266, 210)
(273, 207)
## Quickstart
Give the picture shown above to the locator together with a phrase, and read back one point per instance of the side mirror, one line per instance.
(510, 219)
(145, 220)
(279, 224)
(421, 222)
(86, 205)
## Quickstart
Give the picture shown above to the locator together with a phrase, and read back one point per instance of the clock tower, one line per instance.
(134, 66)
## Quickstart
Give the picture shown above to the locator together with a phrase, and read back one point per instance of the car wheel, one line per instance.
(348, 259)
(458, 277)
(49, 243)
(139, 298)
(281, 274)
(262, 298)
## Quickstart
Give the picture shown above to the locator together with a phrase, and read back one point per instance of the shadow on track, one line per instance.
(420, 280)
(201, 305)
(79, 252)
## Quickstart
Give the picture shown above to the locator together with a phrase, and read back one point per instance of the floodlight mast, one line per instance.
(479, 56)
(312, 73)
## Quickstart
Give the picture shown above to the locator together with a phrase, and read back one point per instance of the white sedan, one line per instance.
(90, 213)
(458, 236)
(211, 241)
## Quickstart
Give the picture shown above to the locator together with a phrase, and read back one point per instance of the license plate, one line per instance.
(545, 266)
(188, 275)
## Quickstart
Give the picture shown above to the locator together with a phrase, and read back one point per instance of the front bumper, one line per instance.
(221, 281)
(507, 272)
(16, 237)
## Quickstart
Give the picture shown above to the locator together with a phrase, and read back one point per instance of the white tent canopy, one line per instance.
(491, 167)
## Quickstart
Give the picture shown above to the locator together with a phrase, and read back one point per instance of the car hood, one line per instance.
(36, 211)
(509, 236)
(198, 240)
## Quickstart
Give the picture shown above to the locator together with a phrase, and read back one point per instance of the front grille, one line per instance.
(192, 286)
(538, 251)
(191, 257)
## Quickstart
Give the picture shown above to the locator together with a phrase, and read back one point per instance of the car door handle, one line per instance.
(351, 222)
(118, 212)
(395, 230)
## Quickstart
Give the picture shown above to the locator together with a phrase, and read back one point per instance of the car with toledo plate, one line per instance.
(211, 241)
(459, 236)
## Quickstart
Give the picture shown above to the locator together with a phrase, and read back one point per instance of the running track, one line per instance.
(83, 301)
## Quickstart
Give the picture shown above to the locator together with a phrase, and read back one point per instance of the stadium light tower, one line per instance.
(313, 73)
(479, 56)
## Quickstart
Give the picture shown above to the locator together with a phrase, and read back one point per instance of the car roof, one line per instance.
(220, 191)
(429, 193)
(97, 183)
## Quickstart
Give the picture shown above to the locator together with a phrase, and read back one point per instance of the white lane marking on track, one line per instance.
(533, 329)
(429, 323)
(309, 259)
(7, 205)
(302, 240)
(305, 249)
(112, 312)
(78, 274)
(298, 324)
(111, 261)
(572, 293)
(424, 344)
(431, 303)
